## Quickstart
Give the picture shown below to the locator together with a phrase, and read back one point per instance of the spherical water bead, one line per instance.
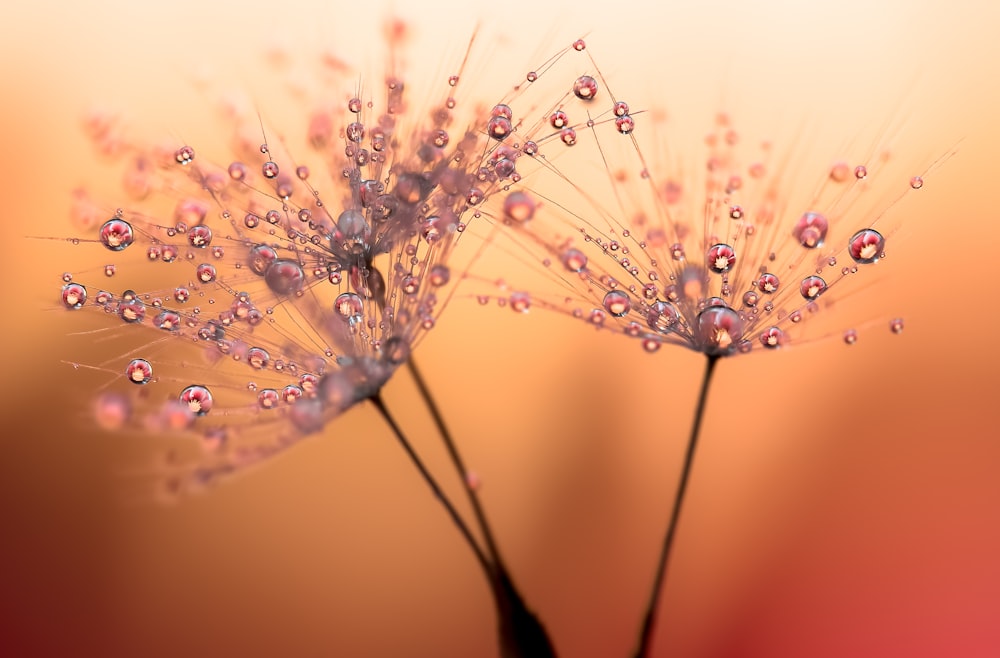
(530, 148)
(291, 394)
(184, 155)
(850, 336)
(109, 270)
(866, 246)
(568, 136)
(661, 317)
(617, 303)
(131, 309)
(861, 172)
(116, 234)
(896, 325)
(768, 283)
(206, 272)
(410, 284)
(520, 302)
(620, 108)
(199, 236)
(139, 371)
(519, 207)
(625, 125)
(112, 411)
(811, 230)
(269, 169)
(261, 257)
(916, 182)
(720, 258)
(772, 338)
(258, 358)
(396, 351)
(251, 220)
(499, 128)
(167, 321)
(284, 277)
(839, 172)
(574, 260)
(238, 171)
(719, 330)
(197, 399)
(750, 298)
(355, 131)
(439, 275)
(351, 225)
(585, 88)
(268, 398)
(558, 120)
(812, 287)
(349, 306)
(579, 45)
(74, 296)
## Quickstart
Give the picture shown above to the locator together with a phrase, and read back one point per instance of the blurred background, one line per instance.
(844, 501)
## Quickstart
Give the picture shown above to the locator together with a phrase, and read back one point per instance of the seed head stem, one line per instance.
(649, 622)
(435, 488)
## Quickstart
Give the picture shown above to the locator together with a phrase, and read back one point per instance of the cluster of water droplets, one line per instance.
(303, 288)
(721, 261)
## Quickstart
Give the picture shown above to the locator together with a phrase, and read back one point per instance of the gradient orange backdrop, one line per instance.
(844, 502)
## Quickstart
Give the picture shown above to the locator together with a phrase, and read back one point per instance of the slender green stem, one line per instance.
(456, 460)
(432, 483)
(649, 622)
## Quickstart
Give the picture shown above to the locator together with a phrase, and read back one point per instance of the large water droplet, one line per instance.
(197, 399)
(720, 330)
(139, 371)
(117, 234)
(866, 246)
(284, 277)
(811, 230)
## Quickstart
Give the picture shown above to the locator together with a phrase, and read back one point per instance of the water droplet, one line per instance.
(617, 303)
(772, 338)
(355, 131)
(720, 330)
(720, 258)
(197, 399)
(499, 127)
(268, 398)
(579, 45)
(750, 298)
(768, 283)
(532, 76)
(251, 220)
(130, 308)
(574, 260)
(559, 120)
(110, 270)
(866, 246)
(167, 320)
(520, 302)
(269, 169)
(258, 358)
(116, 234)
(850, 336)
(206, 273)
(812, 287)
(410, 284)
(625, 124)
(916, 182)
(811, 230)
(237, 171)
(184, 155)
(439, 275)
(585, 88)
(349, 306)
(199, 236)
(860, 172)
(139, 371)
(661, 317)
(74, 295)
(284, 277)
(896, 325)
(519, 207)
(112, 411)
(568, 136)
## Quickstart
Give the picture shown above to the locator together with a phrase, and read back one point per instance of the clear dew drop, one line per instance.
(585, 88)
(349, 306)
(720, 258)
(720, 330)
(812, 287)
(184, 155)
(772, 337)
(197, 399)
(139, 371)
(916, 182)
(661, 317)
(574, 260)
(284, 277)
(617, 303)
(269, 169)
(810, 230)
(74, 296)
(850, 336)
(268, 398)
(519, 207)
(439, 275)
(116, 234)
(499, 128)
(520, 302)
(896, 325)
(866, 246)
(199, 236)
(625, 124)
(206, 273)
(258, 358)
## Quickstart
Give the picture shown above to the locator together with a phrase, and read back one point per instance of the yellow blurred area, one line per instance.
(845, 502)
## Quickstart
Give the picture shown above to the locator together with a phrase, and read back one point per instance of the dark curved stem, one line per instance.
(432, 483)
(456, 460)
(649, 622)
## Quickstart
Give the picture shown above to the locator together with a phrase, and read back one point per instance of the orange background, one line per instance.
(844, 502)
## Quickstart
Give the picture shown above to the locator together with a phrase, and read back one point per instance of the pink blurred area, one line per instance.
(845, 501)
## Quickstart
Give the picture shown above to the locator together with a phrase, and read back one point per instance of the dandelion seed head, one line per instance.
(285, 282)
